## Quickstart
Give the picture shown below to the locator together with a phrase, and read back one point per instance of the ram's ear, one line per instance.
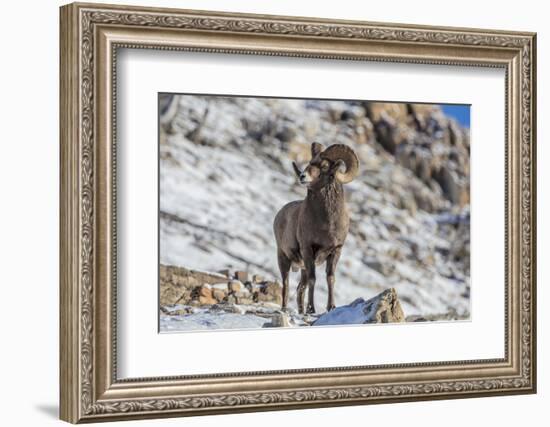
(297, 170)
(316, 149)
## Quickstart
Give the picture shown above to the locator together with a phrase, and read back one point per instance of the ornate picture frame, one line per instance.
(90, 37)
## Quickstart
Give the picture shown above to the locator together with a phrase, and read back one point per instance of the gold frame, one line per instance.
(90, 36)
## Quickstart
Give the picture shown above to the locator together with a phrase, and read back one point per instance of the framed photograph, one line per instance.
(267, 212)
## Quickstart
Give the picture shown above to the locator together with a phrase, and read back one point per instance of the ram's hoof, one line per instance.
(331, 307)
(310, 310)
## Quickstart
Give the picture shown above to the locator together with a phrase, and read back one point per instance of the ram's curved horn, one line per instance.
(347, 155)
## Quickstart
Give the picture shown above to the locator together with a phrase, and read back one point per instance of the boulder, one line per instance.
(205, 295)
(219, 294)
(454, 187)
(386, 135)
(205, 291)
(280, 319)
(230, 299)
(241, 276)
(207, 300)
(243, 296)
(454, 134)
(242, 292)
(235, 286)
(383, 308)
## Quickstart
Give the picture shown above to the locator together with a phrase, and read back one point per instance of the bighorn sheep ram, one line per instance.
(311, 231)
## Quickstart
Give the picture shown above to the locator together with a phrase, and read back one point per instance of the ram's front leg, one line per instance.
(301, 291)
(332, 260)
(309, 264)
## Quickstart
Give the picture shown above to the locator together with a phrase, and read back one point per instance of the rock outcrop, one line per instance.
(181, 286)
(383, 308)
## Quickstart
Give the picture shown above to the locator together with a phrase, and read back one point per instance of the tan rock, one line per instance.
(377, 110)
(219, 294)
(205, 291)
(241, 276)
(235, 286)
(203, 300)
(243, 292)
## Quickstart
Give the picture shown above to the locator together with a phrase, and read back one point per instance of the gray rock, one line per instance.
(279, 320)
(225, 272)
(286, 134)
(246, 300)
(377, 265)
(230, 299)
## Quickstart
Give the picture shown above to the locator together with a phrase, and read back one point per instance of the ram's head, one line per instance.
(338, 162)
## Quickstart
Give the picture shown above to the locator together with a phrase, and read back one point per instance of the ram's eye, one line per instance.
(325, 165)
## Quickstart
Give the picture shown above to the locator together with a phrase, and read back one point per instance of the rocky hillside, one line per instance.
(225, 171)
(197, 300)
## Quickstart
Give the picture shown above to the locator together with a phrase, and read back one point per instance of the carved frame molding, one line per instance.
(90, 37)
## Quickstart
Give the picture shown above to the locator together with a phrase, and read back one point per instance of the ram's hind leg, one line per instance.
(332, 260)
(301, 291)
(284, 267)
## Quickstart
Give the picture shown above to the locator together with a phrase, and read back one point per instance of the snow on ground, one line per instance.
(208, 321)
